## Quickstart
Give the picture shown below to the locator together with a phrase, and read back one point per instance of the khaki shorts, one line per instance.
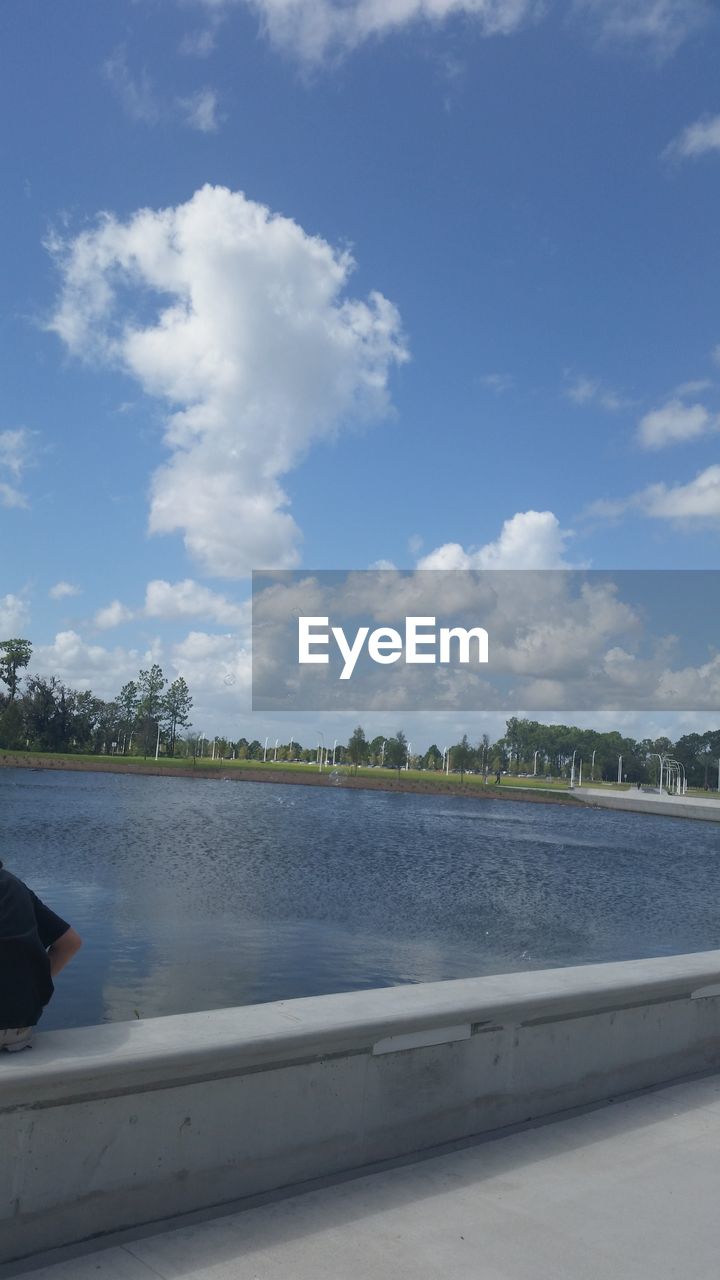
(16, 1038)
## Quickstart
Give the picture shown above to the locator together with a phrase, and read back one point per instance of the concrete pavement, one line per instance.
(625, 1190)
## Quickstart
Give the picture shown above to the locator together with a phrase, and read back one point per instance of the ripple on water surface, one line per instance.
(197, 895)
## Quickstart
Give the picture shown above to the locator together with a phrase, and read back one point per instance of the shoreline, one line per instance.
(238, 774)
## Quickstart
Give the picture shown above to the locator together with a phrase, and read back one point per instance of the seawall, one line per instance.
(127, 1124)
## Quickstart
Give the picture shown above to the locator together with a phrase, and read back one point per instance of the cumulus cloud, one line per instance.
(112, 615)
(61, 590)
(90, 666)
(528, 540)
(213, 665)
(216, 668)
(189, 599)
(14, 615)
(674, 423)
(698, 500)
(252, 342)
(14, 455)
(696, 140)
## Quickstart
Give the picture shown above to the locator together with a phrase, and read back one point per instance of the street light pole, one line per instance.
(265, 749)
(619, 768)
(157, 744)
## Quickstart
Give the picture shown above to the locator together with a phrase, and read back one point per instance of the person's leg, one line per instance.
(15, 1039)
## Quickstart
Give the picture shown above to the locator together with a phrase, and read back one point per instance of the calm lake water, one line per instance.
(195, 895)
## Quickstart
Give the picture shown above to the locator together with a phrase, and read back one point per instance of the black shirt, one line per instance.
(27, 928)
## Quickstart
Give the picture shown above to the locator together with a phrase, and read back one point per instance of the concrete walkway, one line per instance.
(626, 1191)
(706, 809)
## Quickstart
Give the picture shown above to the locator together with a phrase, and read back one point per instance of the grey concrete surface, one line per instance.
(627, 1191)
(659, 803)
(127, 1125)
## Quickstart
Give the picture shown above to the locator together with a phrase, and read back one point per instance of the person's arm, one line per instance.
(63, 950)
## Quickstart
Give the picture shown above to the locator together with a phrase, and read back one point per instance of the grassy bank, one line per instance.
(411, 780)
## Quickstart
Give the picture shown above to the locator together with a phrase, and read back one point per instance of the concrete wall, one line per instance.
(125, 1124)
(659, 803)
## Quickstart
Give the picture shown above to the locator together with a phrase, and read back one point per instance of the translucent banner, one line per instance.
(486, 640)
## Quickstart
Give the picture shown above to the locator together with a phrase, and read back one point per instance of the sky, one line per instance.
(335, 284)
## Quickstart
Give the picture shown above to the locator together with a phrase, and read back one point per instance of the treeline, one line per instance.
(151, 714)
(47, 715)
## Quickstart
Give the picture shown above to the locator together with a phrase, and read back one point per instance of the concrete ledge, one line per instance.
(659, 803)
(125, 1124)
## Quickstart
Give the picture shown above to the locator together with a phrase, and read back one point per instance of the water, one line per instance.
(197, 894)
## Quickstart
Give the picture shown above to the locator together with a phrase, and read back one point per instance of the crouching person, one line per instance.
(35, 944)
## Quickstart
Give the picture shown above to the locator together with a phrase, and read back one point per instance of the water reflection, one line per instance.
(196, 895)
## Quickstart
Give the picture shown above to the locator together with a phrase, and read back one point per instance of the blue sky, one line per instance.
(399, 283)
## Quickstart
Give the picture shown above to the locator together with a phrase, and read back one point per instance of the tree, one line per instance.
(128, 701)
(14, 656)
(433, 757)
(357, 748)
(150, 688)
(175, 709)
(396, 751)
(462, 756)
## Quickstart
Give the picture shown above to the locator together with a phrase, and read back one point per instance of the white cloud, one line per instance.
(254, 346)
(63, 589)
(90, 666)
(14, 616)
(315, 29)
(189, 599)
(14, 455)
(583, 390)
(201, 110)
(136, 93)
(214, 667)
(698, 500)
(112, 615)
(142, 103)
(673, 423)
(529, 540)
(662, 25)
(199, 44)
(696, 140)
(497, 382)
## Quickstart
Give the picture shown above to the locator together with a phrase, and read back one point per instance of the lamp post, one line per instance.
(265, 749)
(321, 748)
(537, 753)
(619, 768)
(334, 748)
(407, 758)
(592, 767)
(157, 744)
(382, 754)
(572, 768)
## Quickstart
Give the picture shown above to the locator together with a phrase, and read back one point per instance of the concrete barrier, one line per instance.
(659, 803)
(129, 1123)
